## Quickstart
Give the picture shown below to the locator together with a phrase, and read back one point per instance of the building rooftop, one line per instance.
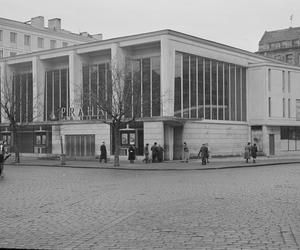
(280, 35)
(54, 26)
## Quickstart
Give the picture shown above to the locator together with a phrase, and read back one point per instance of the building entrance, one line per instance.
(80, 146)
(272, 144)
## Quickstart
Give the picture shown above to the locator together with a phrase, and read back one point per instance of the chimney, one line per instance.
(98, 36)
(84, 34)
(37, 22)
(54, 24)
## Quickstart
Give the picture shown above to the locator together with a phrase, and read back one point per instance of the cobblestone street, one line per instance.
(75, 208)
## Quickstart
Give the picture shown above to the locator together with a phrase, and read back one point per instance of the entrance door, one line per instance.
(80, 146)
(177, 143)
(272, 144)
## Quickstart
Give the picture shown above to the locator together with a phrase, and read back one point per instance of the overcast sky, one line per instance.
(238, 23)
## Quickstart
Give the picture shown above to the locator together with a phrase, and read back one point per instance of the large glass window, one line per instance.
(146, 77)
(56, 94)
(136, 88)
(155, 66)
(238, 94)
(214, 86)
(144, 80)
(177, 87)
(23, 97)
(232, 93)
(193, 89)
(290, 138)
(207, 96)
(226, 91)
(186, 82)
(210, 89)
(220, 91)
(200, 88)
(96, 90)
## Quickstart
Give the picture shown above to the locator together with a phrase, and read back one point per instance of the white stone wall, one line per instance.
(153, 132)
(101, 132)
(222, 138)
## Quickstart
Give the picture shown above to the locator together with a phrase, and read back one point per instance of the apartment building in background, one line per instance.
(25, 37)
(283, 45)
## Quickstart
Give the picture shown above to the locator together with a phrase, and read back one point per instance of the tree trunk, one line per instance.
(16, 144)
(117, 146)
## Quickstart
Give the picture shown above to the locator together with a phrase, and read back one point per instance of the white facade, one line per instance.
(19, 38)
(252, 109)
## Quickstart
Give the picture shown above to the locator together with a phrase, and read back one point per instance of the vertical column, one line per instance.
(38, 88)
(167, 76)
(75, 84)
(169, 142)
(266, 149)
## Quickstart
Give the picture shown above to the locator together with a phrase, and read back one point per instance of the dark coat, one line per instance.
(203, 153)
(160, 153)
(103, 153)
(254, 151)
(131, 153)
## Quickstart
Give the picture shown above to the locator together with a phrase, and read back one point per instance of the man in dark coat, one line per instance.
(154, 152)
(131, 154)
(103, 153)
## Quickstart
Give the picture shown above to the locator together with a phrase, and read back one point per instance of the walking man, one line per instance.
(103, 153)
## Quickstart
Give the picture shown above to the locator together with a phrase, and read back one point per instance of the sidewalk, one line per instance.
(194, 164)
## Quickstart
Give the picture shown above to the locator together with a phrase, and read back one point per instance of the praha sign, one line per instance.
(81, 113)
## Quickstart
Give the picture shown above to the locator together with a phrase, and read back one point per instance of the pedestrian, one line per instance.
(203, 154)
(254, 152)
(247, 152)
(3, 156)
(160, 153)
(206, 144)
(146, 152)
(154, 152)
(131, 154)
(103, 153)
(185, 152)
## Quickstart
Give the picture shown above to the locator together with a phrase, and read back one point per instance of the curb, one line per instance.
(157, 169)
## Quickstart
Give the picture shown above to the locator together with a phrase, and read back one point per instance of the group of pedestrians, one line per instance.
(157, 153)
(250, 151)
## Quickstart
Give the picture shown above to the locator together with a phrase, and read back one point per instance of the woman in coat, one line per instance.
(247, 152)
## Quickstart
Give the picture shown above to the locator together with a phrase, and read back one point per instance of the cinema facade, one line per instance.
(188, 90)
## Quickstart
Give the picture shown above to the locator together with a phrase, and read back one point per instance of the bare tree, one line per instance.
(114, 101)
(12, 102)
(120, 108)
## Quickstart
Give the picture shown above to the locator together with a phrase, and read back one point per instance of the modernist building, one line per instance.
(25, 37)
(283, 45)
(187, 89)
